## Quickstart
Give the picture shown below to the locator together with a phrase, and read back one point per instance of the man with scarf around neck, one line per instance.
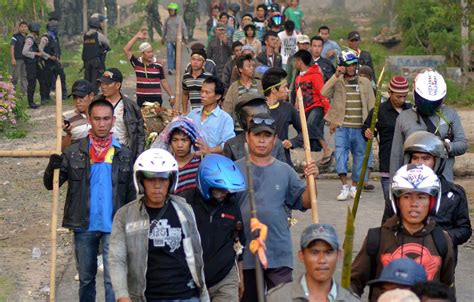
(410, 233)
(98, 170)
(128, 126)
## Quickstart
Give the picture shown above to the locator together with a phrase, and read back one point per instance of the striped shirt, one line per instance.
(79, 126)
(252, 89)
(353, 114)
(187, 175)
(149, 78)
(193, 86)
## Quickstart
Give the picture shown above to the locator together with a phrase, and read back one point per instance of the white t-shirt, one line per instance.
(288, 45)
(119, 129)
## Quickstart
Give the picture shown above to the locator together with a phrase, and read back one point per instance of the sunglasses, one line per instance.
(260, 121)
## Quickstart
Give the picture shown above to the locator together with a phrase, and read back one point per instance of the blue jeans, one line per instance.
(350, 139)
(171, 55)
(87, 248)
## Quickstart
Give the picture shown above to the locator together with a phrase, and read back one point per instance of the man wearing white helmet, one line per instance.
(415, 195)
(150, 73)
(155, 247)
(429, 114)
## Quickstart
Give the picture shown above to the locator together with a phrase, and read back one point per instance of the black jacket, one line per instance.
(385, 128)
(217, 225)
(366, 59)
(133, 119)
(75, 169)
(262, 58)
(453, 214)
(327, 67)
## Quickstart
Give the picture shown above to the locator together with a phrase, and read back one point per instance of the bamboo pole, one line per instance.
(177, 80)
(26, 153)
(253, 214)
(351, 215)
(311, 183)
(54, 207)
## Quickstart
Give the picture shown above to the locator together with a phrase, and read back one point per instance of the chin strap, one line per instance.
(257, 246)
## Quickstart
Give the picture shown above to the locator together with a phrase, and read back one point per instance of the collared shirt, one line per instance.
(217, 128)
(328, 45)
(193, 86)
(101, 192)
(332, 295)
(149, 77)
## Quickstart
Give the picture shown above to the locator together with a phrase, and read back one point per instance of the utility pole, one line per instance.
(85, 16)
(465, 36)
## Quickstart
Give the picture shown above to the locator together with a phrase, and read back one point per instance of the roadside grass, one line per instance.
(6, 288)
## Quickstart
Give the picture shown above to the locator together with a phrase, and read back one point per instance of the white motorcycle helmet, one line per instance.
(155, 163)
(416, 178)
(429, 90)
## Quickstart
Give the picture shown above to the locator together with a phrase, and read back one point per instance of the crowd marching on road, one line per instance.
(173, 220)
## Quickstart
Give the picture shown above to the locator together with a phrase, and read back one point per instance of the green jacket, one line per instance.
(293, 292)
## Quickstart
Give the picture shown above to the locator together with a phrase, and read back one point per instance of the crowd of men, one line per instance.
(176, 222)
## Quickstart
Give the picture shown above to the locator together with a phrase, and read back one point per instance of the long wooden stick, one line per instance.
(26, 153)
(351, 215)
(311, 183)
(253, 214)
(54, 207)
(177, 80)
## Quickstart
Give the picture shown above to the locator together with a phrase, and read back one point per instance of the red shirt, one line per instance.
(311, 83)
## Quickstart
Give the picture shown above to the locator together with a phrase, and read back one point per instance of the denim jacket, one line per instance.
(128, 249)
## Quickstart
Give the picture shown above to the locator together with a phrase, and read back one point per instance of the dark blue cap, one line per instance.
(403, 271)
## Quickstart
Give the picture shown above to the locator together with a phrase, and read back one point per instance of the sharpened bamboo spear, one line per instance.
(54, 206)
(351, 215)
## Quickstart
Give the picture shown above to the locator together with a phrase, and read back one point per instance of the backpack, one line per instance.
(373, 246)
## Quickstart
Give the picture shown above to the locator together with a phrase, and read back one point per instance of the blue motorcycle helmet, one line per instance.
(220, 172)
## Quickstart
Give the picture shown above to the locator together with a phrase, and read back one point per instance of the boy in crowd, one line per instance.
(219, 223)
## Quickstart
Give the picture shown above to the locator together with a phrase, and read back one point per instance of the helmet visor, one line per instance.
(151, 175)
(432, 191)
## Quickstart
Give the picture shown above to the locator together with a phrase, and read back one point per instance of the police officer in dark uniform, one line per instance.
(51, 54)
(32, 57)
(94, 50)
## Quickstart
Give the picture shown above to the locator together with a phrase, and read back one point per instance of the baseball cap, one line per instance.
(402, 271)
(111, 75)
(319, 231)
(303, 39)
(261, 122)
(220, 25)
(398, 84)
(81, 88)
(353, 35)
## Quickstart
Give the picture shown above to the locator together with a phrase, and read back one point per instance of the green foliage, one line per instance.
(13, 11)
(430, 27)
(458, 95)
